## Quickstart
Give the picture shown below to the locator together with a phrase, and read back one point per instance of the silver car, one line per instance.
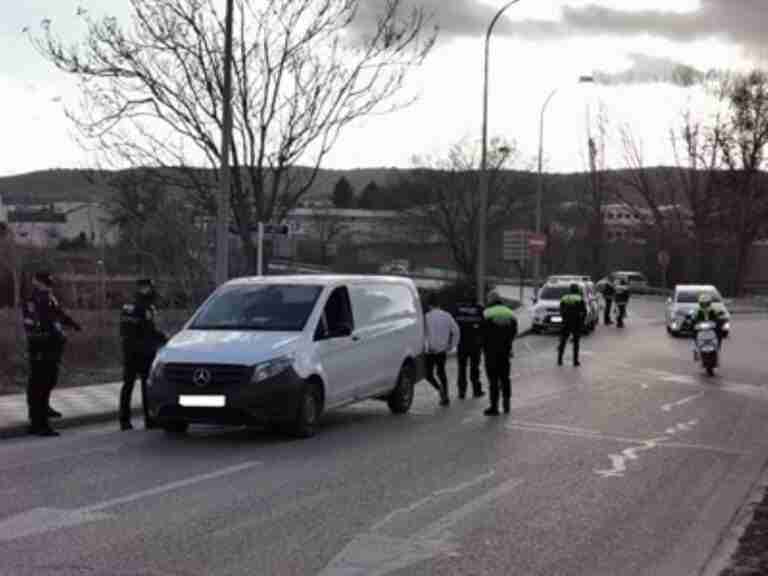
(686, 300)
(546, 310)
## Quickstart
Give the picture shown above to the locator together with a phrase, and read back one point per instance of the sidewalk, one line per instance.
(80, 405)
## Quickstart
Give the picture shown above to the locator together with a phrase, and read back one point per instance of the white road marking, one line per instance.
(619, 461)
(432, 497)
(687, 400)
(682, 427)
(42, 520)
(376, 554)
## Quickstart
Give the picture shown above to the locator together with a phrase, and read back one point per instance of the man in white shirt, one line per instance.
(442, 336)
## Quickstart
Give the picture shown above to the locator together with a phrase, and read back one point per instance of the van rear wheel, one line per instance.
(401, 398)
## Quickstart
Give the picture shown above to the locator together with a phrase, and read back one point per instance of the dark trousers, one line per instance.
(607, 311)
(132, 369)
(567, 331)
(469, 355)
(622, 313)
(43, 375)
(497, 370)
(436, 362)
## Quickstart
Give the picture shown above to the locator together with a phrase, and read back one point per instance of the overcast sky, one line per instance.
(539, 46)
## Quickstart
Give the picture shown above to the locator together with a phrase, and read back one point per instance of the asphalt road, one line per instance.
(634, 463)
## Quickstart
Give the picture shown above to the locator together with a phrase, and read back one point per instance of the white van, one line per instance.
(283, 349)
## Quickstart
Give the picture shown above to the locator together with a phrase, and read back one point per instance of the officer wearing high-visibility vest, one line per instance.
(499, 331)
(573, 309)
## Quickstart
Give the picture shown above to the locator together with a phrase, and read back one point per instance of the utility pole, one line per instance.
(222, 215)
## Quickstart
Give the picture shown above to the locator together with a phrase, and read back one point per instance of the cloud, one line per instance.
(452, 17)
(739, 22)
(648, 69)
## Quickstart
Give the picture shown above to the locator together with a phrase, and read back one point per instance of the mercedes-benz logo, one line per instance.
(201, 377)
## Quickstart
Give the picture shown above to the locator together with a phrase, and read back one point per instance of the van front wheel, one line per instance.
(401, 398)
(308, 412)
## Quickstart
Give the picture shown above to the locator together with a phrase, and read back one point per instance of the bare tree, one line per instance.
(444, 192)
(329, 227)
(743, 145)
(595, 194)
(153, 92)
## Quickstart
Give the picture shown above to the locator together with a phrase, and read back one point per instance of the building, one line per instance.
(46, 225)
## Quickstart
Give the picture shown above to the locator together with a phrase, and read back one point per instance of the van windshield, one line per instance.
(275, 307)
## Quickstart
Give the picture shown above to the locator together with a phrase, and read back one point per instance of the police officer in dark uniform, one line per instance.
(622, 301)
(469, 316)
(141, 339)
(44, 323)
(499, 332)
(573, 309)
(609, 292)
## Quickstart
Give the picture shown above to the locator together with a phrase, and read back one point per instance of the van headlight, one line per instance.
(727, 327)
(156, 373)
(271, 368)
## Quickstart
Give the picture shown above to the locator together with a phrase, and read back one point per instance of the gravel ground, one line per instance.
(751, 556)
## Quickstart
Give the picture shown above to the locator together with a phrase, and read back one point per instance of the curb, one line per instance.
(20, 430)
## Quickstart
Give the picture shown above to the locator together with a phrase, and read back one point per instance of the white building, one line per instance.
(46, 225)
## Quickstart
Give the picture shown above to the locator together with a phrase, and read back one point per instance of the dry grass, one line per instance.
(91, 356)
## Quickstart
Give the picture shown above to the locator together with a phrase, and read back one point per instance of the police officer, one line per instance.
(44, 323)
(609, 292)
(622, 300)
(141, 339)
(499, 331)
(469, 316)
(573, 309)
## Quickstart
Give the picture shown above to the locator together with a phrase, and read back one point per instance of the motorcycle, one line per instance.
(707, 346)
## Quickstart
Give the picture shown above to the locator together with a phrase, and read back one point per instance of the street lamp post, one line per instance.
(483, 215)
(540, 179)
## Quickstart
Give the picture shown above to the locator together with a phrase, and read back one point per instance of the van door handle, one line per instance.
(355, 338)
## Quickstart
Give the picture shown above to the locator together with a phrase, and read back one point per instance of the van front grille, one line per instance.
(204, 376)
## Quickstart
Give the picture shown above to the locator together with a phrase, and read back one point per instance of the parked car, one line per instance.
(686, 299)
(397, 267)
(546, 309)
(637, 281)
(568, 278)
(285, 349)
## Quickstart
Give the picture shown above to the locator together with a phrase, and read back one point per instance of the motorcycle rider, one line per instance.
(706, 313)
(622, 300)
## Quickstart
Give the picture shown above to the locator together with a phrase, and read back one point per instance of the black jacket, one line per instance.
(573, 309)
(140, 336)
(44, 322)
(469, 317)
(622, 295)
